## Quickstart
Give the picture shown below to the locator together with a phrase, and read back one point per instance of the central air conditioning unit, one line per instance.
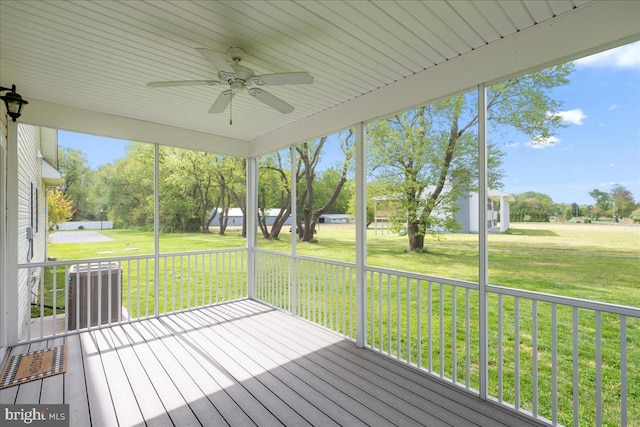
(95, 292)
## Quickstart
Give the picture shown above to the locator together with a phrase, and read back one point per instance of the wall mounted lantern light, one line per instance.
(13, 101)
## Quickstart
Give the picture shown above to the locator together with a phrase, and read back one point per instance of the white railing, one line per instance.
(324, 291)
(428, 322)
(72, 295)
(274, 278)
(561, 360)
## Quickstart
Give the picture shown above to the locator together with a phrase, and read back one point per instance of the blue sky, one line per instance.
(600, 146)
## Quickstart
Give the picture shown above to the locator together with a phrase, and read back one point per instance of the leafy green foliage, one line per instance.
(130, 189)
(59, 208)
(274, 191)
(430, 157)
(318, 196)
(623, 200)
(532, 207)
(77, 179)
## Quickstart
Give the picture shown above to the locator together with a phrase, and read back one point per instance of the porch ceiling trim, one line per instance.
(50, 175)
(64, 117)
(566, 37)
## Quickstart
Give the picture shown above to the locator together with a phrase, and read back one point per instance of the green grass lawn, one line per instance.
(588, 261)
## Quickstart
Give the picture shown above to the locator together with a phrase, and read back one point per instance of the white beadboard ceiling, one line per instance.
(368, 58)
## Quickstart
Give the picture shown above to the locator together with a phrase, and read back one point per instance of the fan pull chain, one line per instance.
(230, 108)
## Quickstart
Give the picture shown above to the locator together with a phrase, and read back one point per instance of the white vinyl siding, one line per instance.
(29, 184)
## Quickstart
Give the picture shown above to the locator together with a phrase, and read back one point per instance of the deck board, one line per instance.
(388, 406)
(51, 386)
(219, 393)
(173, 402)
(242, 364)
(75, 386)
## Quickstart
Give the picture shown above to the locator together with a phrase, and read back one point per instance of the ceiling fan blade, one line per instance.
(216, 59)
(296, 78)
(221, 103)
(271, 100)
(184, 83)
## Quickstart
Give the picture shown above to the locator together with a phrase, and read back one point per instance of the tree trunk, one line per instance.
(279, 222)
(416, 239)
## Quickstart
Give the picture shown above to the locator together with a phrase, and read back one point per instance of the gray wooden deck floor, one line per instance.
(242, 364)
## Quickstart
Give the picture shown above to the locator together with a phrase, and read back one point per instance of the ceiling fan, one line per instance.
(239, 77)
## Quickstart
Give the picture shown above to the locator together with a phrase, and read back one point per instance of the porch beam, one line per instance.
(64, 117)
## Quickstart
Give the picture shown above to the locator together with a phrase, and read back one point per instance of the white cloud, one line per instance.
(575, 116)
(627, 56)
(540, 143)
(614, 107)
(605, 185)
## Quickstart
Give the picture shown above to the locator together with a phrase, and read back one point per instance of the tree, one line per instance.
(131, 187)
(98, 191)
(230, 177)
(623, 201)
(603, 201)
(429, 155)
(59, 208)
(325, 184)
(374, 189)
(531, 206)
(77, 178)
(189, 194)
(318, 192)
(310, 206)
(575, 210)
(274, 192)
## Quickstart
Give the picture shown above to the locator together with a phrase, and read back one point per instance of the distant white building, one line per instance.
(468, 214)
(334, 219)
(237, 219)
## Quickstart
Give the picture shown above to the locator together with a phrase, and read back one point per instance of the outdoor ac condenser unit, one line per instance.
(95, 288)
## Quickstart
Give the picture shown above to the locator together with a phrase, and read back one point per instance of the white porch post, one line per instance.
(252, 212)
(3, 238)
(294, 233)
(361, 236)
(504, 214)
(10, 297)
(156, 227)
(483, 261)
